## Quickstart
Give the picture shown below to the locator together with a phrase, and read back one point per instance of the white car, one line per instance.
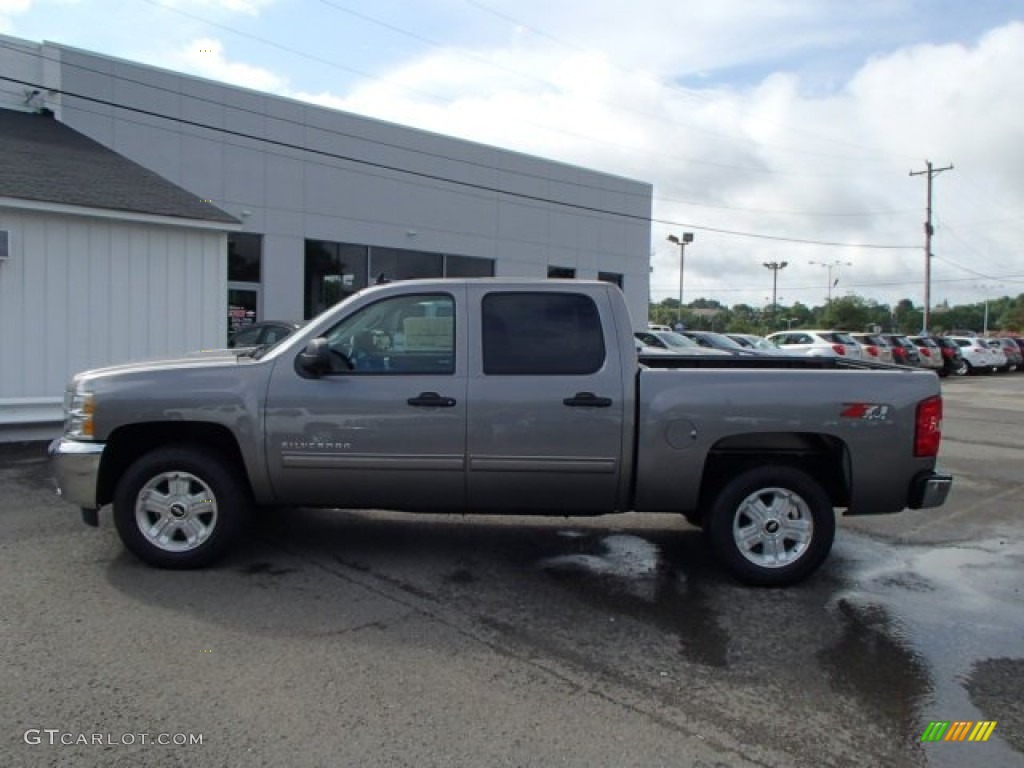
(980, 358)
(817, 343)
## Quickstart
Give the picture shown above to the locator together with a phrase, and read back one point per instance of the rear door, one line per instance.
(546, 401)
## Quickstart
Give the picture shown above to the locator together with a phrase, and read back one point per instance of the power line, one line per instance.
(479, 59)
(688, 94)
(443, 179)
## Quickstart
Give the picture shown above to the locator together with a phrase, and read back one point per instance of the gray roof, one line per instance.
(44, 160)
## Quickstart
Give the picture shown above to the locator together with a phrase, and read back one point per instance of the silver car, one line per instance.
(874, 347)
(930, 352)
(817, 343)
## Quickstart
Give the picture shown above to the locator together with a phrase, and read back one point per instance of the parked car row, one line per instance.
(946, 355)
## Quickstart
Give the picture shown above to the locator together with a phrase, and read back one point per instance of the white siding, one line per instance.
(80, 292)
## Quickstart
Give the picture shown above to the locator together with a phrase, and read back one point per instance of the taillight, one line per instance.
(928, 427)
(925, 351)
(873, 351)
(839, 349)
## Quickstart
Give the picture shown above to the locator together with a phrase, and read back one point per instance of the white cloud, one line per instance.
(9, 9)
(205, 57)
(249, 7)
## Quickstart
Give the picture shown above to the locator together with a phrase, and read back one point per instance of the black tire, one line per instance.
(790, 541)
(206, 506)
(961, 368)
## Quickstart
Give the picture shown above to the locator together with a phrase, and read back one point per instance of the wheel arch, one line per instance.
(824, 457)
(128, 443)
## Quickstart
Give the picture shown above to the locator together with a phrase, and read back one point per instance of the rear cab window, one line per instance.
(541, 334)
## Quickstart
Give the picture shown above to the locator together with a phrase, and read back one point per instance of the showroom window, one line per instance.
(610, 277)
(334, 271)
(468, 266)
(401, 264)
(245, 253)
(561, 272)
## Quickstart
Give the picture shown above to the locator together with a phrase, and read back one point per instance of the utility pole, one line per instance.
(929, 230)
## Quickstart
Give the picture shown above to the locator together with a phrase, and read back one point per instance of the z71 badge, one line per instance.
(865, 411)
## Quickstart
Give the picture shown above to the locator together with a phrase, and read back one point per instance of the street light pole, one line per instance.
(681, 242)
(775, 266)
(830, 266)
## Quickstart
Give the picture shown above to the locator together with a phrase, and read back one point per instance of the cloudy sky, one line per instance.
(774, 130)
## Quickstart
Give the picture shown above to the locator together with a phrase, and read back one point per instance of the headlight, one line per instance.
(79, 409)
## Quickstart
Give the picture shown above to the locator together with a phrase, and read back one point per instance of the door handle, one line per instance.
(431, 400)
(587, 400)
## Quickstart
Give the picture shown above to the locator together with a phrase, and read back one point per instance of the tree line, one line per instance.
(850, 313)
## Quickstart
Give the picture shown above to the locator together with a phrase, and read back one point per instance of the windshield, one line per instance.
(259, 351)
(722, 341)
(838, 338)
(673, 339)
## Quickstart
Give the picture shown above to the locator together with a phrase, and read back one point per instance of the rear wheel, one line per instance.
(179, 507)
(772, 526)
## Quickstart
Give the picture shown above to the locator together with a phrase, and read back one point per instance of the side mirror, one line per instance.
(315, 359)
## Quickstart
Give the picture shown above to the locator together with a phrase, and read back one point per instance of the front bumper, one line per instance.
(77, 468)
(930, 489)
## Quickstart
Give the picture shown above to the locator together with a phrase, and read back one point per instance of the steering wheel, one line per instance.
(344, 363)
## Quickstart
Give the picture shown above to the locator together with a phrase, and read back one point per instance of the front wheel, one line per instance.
(961, 368)
(772, 526)
(179, 507)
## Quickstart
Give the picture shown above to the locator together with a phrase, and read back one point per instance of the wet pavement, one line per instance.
(343, 638)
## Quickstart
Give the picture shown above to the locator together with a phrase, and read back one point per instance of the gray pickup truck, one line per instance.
(504, 397)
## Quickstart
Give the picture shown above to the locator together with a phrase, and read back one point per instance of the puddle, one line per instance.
(911, 634)
(957, 610)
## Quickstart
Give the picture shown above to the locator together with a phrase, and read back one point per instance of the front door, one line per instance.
(386, 428)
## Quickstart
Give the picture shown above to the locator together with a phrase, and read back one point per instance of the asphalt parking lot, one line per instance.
(376, 639)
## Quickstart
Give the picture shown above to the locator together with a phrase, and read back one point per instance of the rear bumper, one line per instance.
(930, 489)
(76, 466)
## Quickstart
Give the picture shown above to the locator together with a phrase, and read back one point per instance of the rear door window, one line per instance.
(553, 334)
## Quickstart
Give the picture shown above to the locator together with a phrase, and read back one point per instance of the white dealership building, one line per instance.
(310, 204)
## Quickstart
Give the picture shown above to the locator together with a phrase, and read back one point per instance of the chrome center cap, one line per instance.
(772, 527)
(179, 510)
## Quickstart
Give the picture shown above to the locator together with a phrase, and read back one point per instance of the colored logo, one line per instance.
(958, 730)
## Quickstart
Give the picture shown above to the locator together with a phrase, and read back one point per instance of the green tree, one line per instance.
(847, 312)
(907, 318)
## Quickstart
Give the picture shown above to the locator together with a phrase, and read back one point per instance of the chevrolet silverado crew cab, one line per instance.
(499, 396)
